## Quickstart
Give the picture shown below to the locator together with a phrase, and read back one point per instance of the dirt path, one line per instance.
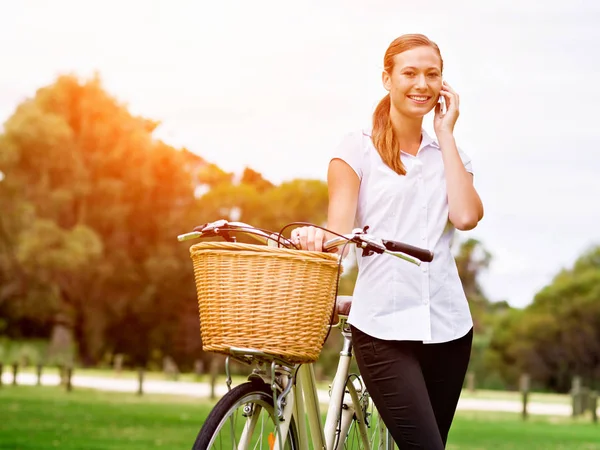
(203, 390)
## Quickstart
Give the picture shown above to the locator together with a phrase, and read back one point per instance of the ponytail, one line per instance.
(384, 139)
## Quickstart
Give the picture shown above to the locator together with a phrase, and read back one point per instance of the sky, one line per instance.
(274, 85)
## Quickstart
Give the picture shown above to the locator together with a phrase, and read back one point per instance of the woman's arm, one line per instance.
(465, 208)
(343, 185)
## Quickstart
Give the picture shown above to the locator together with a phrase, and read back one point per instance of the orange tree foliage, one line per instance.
(92, 204)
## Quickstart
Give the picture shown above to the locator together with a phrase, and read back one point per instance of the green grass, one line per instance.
(48, 417)
(504, 431)
(44, 418)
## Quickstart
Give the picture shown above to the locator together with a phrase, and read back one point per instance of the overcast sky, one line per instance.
(275, 85)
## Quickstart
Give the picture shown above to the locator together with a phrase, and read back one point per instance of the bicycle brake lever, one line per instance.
(199, 228)
(374, 244)
(211, 226)
(368, 244)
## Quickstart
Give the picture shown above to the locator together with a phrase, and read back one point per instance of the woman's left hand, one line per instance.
(444, 123)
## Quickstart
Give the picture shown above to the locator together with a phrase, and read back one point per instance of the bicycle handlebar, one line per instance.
(367, 242)
(222, 227)
(419, 253)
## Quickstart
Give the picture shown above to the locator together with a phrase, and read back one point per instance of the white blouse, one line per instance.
(394, 299)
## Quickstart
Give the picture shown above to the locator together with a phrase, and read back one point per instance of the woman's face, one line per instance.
(415, 82)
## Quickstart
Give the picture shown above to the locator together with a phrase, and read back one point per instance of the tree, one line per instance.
(298, 200)
(94, 205)
(106, 197)
(471, 260)
(558, 334)
(253, 178)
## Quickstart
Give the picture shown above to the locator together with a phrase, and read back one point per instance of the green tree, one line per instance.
(94, 204)
(558, 335)
(106, 198)
(471, 260)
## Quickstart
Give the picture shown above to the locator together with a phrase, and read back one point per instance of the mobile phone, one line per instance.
(442, 104)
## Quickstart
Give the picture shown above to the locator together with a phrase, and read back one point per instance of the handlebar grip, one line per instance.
(419, 253)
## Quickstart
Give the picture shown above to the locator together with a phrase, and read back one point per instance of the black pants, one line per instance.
(414, 386)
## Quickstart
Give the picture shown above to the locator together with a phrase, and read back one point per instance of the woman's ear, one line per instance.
(387, 81)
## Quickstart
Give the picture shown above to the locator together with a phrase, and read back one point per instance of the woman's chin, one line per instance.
(417, 113)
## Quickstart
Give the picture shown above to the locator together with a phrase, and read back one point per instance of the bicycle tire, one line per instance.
(251, 392)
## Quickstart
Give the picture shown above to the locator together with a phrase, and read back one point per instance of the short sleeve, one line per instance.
(466, 160)
(350, 150)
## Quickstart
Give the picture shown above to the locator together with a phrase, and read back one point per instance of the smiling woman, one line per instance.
(411, 326)
(421, 58)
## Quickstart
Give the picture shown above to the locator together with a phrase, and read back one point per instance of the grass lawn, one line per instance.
(48, 417)
(503, 431)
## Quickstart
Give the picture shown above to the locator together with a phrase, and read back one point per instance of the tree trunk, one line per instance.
(62, 345)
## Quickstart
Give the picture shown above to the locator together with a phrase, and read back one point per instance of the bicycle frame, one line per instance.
(301, 405)
(294, 389)
(303, 401)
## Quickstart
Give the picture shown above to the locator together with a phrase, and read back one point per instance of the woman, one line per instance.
(411, 326)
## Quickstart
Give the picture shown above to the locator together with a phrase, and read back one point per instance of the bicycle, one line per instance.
(278, 408)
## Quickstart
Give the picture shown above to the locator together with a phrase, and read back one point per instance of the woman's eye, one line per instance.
(409, 74)
(433, 75)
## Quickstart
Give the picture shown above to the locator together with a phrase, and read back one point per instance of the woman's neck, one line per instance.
(407, 131)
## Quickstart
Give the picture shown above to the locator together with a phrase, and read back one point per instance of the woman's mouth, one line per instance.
(419, 99)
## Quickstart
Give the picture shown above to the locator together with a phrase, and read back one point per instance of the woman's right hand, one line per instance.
(309, 238)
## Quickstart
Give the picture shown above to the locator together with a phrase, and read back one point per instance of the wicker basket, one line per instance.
(270, 299)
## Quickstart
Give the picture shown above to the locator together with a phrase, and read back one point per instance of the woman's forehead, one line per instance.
(420, 57)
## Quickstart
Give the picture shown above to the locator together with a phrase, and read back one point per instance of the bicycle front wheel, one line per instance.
(243, 419)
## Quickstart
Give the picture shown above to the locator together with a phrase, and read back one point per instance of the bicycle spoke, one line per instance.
(232, 427)
(262, 429)
(243, 420)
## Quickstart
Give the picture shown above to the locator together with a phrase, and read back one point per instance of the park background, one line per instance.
(126, 124)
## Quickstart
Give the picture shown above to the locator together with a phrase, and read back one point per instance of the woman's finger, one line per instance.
(451, 99)
(295, 236)
(307, 238)
(301, 238)
(450, 89)
(310, 239)
(438, 110)
(447, 86)
(319, 239)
